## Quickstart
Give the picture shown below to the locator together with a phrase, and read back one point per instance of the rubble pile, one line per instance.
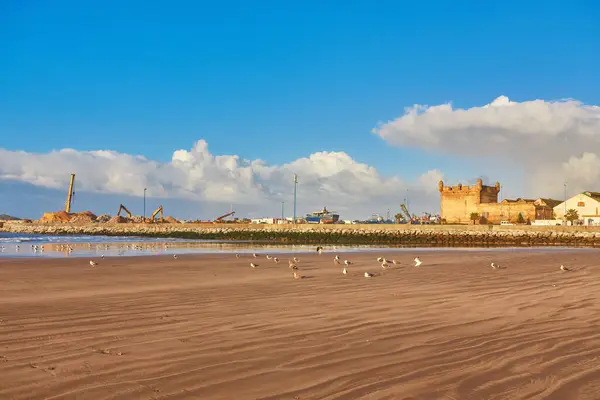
(103, 218)
(83, 217)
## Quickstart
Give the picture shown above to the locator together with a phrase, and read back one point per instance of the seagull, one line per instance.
(320, 250)
(253, 265)
(102, 256)
(417, 262)
(336, 261)
(296, 276)
(494, 266)
(380, 259)
(175, 256)
(337, 257)
(384, 264)
(563, 268)
(368, 275)
(296, 260)
(346, 262)
(269, 257)
(237, 256)
(395, 262)
(293, 266)
(254, 255)
(93, 263)
(276, 260)
(345, 271)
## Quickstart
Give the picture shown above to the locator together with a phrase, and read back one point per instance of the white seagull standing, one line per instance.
(237, 256)
(384, 264)
(495, 266)
(368, 275)
(296, 259)
(336, 261)
(269, 257)
(253, 265)
(254, 255)
(346, 262)
(175, 256)
(417, 262)
(380, 259)
(93, 263)
(345, 271)
(395, 262)
(563, 268)
(276, 260)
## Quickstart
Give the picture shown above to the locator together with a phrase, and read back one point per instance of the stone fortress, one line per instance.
(457, 203)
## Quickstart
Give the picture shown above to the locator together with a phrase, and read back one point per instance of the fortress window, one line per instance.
(580, 204)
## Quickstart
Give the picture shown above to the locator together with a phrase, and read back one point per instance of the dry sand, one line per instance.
(211, 327)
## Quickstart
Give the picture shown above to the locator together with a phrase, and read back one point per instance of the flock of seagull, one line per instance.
(385, 263)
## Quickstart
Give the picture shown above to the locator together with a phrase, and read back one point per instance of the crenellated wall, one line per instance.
(458, 202)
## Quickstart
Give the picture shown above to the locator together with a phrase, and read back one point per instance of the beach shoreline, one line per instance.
(211, 327)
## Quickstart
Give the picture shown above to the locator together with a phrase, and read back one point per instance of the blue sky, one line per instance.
(278, 80)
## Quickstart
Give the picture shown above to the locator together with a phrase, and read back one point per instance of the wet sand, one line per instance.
(211, 327)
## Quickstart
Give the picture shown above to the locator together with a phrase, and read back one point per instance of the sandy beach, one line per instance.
(211, 327)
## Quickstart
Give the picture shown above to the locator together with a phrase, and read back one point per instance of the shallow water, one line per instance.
(27, 245)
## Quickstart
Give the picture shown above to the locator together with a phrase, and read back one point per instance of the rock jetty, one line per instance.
(401, 235)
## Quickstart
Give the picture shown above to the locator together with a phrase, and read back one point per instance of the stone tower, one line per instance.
(458, 202)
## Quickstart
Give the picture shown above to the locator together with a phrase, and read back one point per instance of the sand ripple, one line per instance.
(210, 327)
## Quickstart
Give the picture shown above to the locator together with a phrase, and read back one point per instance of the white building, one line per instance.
(587, 205)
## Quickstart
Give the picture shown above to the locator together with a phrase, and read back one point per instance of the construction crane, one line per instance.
(157, 211)
(220, 219)
(70, 195)
(123, 208)
(406, 213)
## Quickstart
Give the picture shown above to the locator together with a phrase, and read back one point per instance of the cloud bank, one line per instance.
(331, 179)
(551, 142)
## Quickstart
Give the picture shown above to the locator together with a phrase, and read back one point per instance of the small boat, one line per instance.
(322, 217)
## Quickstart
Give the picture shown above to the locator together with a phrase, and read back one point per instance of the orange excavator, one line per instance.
(159, 210)
(123, 208)
(220, 219)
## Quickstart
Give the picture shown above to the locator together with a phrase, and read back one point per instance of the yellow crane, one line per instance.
(70, 195)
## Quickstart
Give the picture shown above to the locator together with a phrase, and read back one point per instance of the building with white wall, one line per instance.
(587, 205)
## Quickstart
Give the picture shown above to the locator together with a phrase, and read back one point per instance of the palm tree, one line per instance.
(572, 215)
(474, 217)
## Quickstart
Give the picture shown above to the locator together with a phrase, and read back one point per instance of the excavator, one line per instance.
(159, 210)
(123, 208)
(220, 219)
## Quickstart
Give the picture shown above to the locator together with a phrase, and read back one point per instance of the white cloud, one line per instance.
(550, 141)
(331, 179)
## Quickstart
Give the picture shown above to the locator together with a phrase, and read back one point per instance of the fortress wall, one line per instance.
(497, 212)
(457, 205)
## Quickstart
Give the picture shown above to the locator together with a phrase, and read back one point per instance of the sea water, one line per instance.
(32, 245)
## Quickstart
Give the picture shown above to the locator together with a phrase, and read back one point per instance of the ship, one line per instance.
(322, 217)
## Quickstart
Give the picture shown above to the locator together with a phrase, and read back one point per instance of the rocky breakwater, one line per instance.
(319, 234)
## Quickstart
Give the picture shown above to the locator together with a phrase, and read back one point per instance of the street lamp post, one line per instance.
(282, 214)
(145, 203)
(295, 185)
(565, 203)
